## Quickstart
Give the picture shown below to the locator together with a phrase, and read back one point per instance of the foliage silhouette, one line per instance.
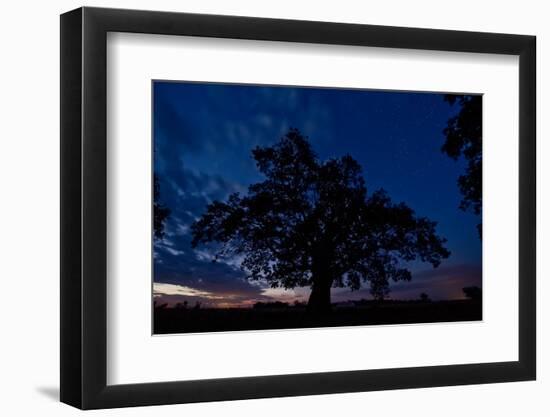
(425, 298)
(463, 137)
(160, 211)
(310, 223)
(182, 306)
(473, 293)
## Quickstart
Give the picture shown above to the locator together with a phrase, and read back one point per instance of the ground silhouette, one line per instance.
(278, 315)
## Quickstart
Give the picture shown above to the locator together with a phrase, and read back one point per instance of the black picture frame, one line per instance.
(84, 207)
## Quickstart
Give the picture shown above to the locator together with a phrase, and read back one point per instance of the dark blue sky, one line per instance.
(203, 134)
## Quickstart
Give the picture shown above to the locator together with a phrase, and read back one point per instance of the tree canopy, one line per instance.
(463, 138)
(311, 223)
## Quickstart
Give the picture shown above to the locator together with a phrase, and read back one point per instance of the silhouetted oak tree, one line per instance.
(310, 223)
(463, 137)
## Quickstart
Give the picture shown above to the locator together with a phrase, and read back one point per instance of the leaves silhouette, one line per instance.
(160, 211)
(463, 138)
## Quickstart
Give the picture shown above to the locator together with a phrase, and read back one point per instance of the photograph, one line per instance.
(284, 207)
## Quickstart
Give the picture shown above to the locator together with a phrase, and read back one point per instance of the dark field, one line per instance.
(174, 320)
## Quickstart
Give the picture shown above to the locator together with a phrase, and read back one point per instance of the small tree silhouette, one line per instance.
(311, 223)
(473, 293)
(463, 137)
(424, 297)
(182, 306)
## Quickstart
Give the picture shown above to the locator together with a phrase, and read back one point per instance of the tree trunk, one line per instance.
(319, 299)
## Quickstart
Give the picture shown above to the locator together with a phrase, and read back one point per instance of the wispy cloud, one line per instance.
(160, 289)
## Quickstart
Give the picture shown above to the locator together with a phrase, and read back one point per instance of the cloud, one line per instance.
(288, 296)
(160, 289)
(172, 294)
(174, 252)
(182, 273)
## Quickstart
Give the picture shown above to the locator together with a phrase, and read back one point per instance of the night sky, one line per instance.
(203, 136)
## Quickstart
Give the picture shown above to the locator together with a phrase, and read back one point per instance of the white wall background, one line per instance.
(29, 226)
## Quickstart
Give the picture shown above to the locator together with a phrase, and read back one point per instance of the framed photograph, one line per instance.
(257, 208)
